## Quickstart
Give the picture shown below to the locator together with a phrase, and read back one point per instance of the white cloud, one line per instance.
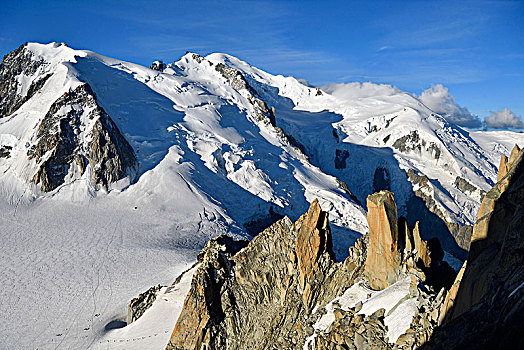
(504, 119)
(438, 99)
(357, 90)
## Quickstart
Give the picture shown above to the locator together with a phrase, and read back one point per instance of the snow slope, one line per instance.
(381, 126)
(399, 306)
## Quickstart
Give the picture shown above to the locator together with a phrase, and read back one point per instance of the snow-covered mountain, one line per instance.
(377, 137)
(114, 175)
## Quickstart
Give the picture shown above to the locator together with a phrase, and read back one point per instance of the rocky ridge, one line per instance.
(271, 294)
(485, 306)
(16, 66)
(277, 291)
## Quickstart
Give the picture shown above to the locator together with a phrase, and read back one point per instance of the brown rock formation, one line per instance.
(313, 240)
(451, 295)
(264, 295)
(515, 153)
(421, 247)
(261, 297)
(503, 167)
(489, 305)
(383, 256)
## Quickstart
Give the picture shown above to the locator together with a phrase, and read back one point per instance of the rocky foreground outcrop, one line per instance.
(485, 308)
(270, 293)
(285, 291)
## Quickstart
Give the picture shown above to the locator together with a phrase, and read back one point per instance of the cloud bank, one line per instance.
(439, 100)
(349, 91)
(504, 119)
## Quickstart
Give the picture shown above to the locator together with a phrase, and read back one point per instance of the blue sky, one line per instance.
(474, 48)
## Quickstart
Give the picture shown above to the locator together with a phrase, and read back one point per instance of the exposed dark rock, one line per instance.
(413, 143)
(237, 81)
(234, 77)
(381, 180)
(436, 218)
(410, 142)
(197, 57)
(20, 62)
(58, 145)
(158, 66)
(464, 185)
(5, 151)
(296, 144)
(340, 158)
(140, 304)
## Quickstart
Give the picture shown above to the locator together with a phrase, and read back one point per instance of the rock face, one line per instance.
(158, 66)
(460, 233)
(313, 240)
(266, 294)
(20, 62)
(237, 81)
(77, 132)
(141, 303)
(383, 258)
(395, 249)
(256, 297)
(488, 309)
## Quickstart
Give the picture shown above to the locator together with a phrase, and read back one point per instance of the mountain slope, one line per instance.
(377, 137)
(114, 175)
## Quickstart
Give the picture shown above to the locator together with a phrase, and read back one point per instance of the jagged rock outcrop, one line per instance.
(395, 249)
(383, 257)
(266, 294)
(485, 307)
(413, 143)
(158, 66)
(258, 297)
(464, 185)
(355, 331)
(20, 63)
(5, 151)
(313, 240)
(77, 132)
(237, 81)
(137, 306)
